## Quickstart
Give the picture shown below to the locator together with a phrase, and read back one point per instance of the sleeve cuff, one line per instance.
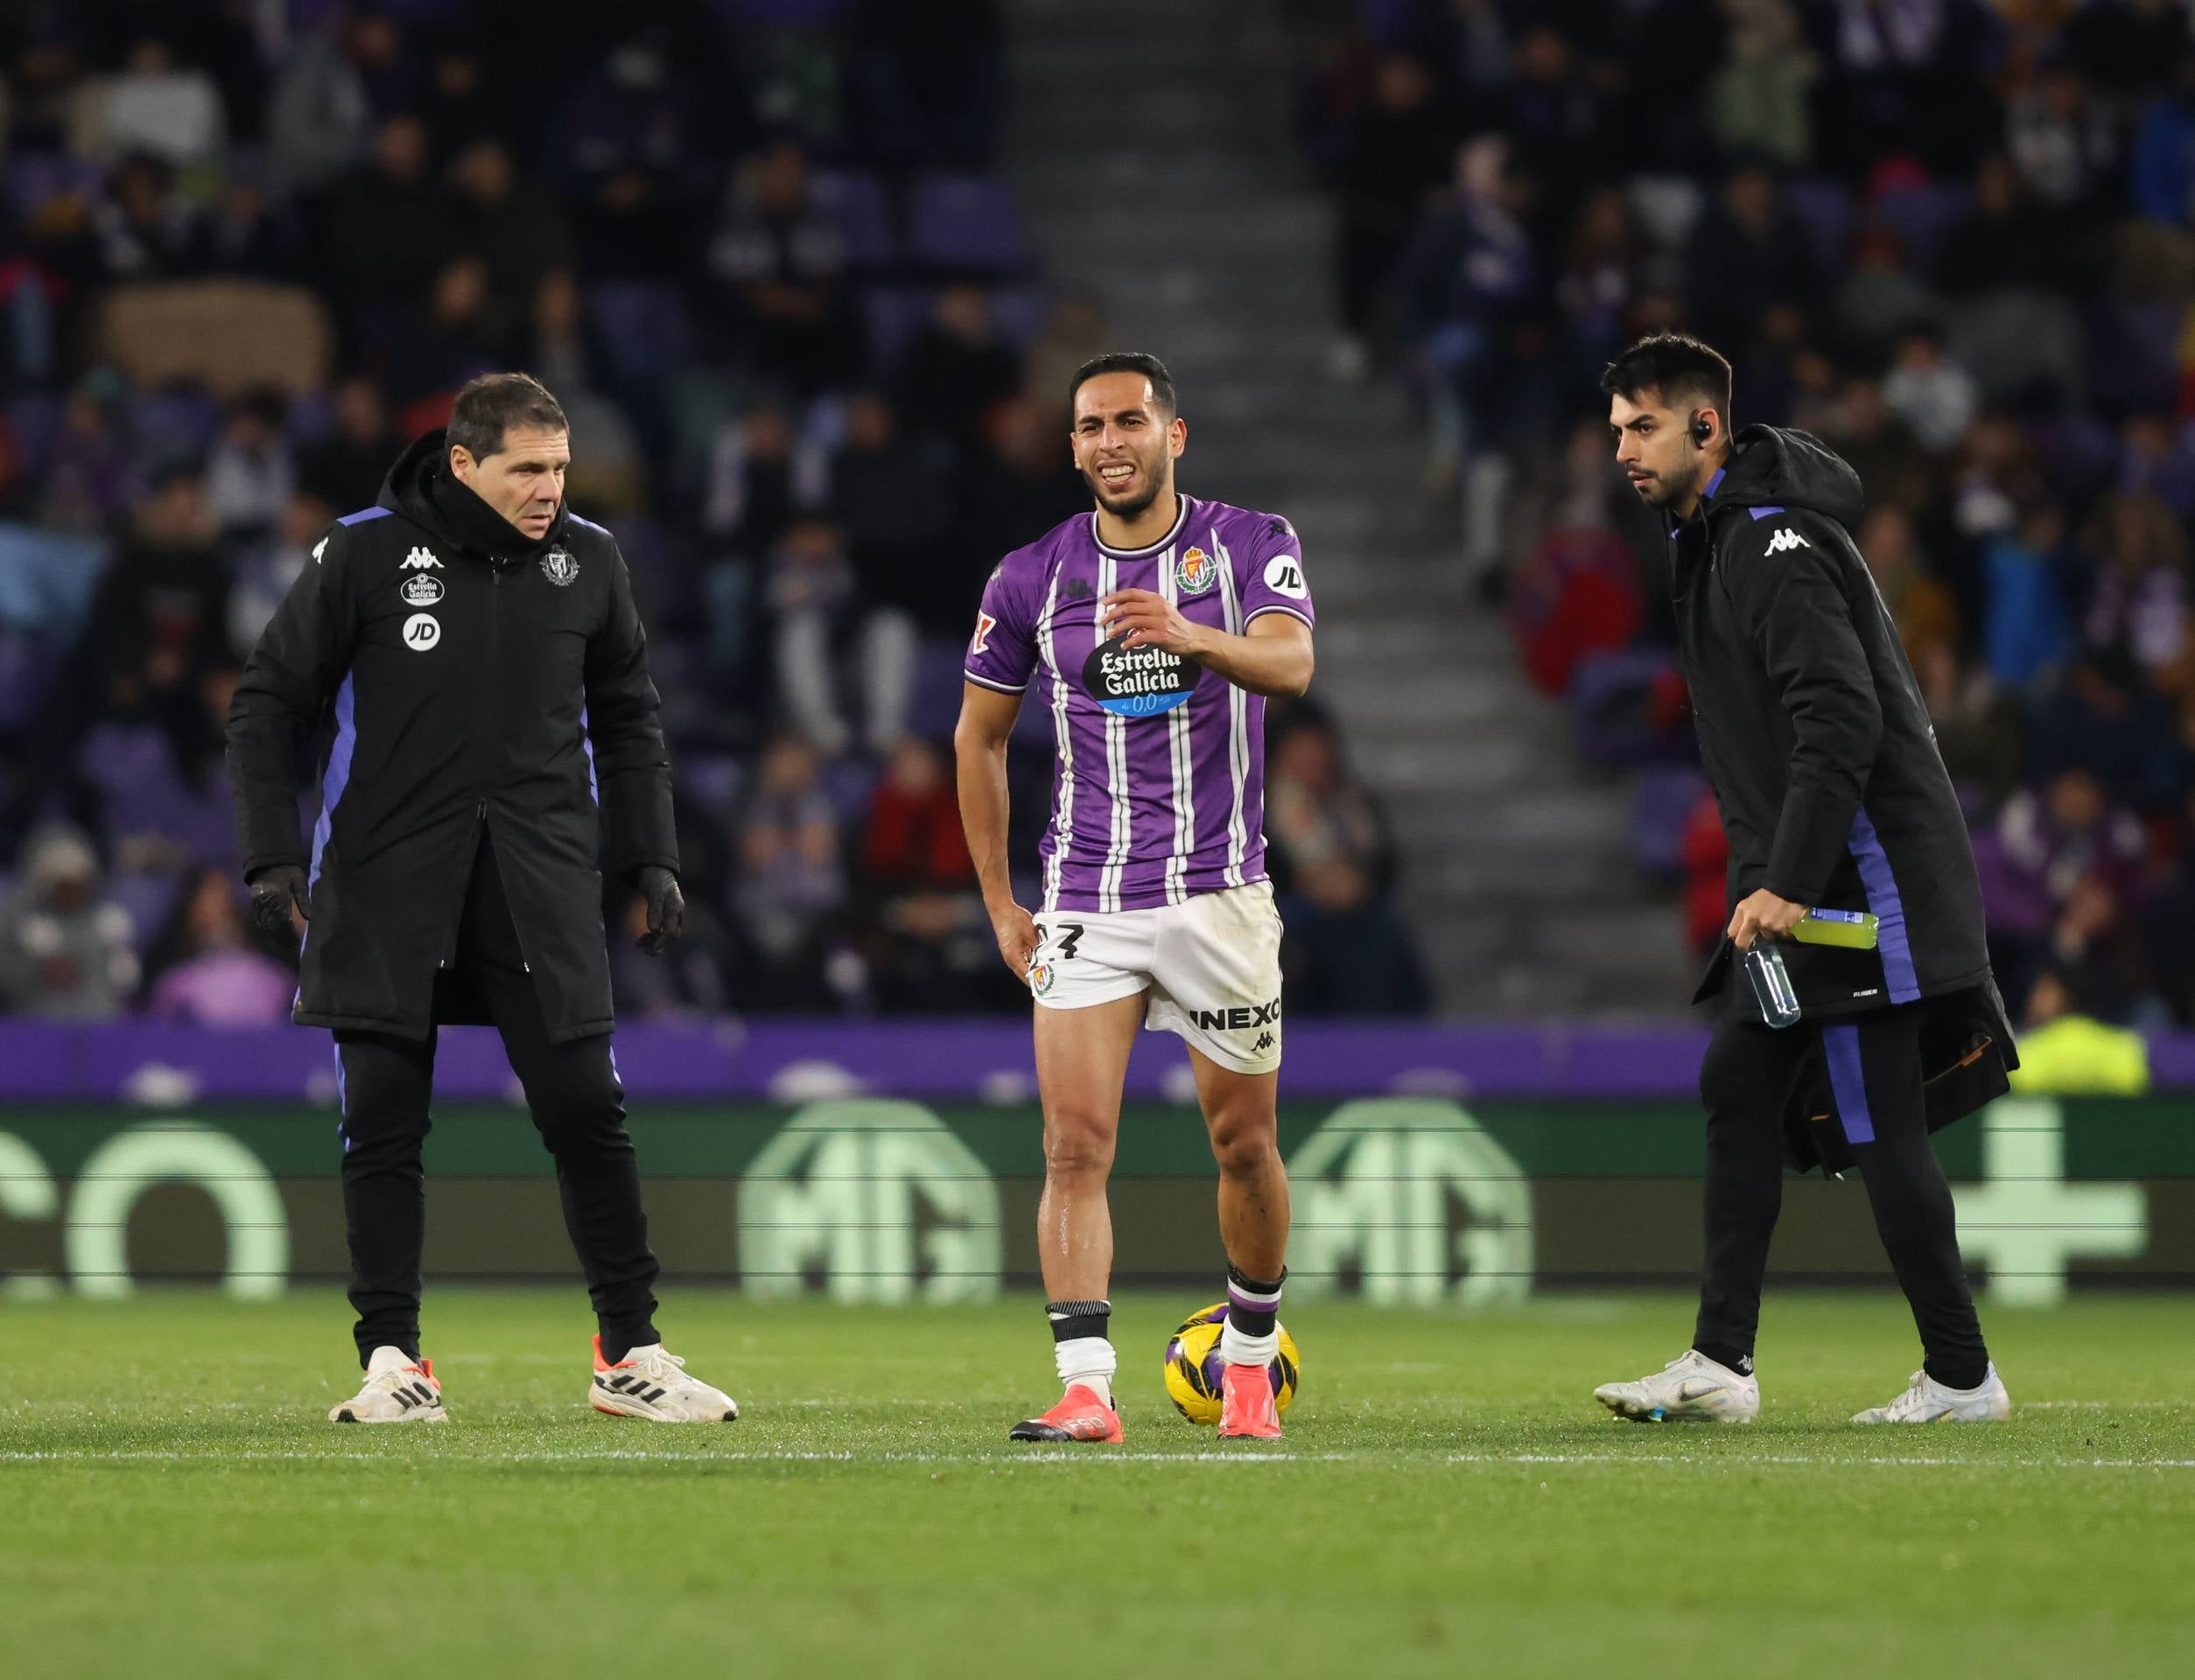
(987, 682)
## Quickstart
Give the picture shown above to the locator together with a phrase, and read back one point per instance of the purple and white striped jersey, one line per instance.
(1157, 791)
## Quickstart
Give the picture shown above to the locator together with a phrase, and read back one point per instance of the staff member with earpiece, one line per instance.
(1858, 1010)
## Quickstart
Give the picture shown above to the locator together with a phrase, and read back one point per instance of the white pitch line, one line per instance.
(1746, 1462)
(2101, 1405)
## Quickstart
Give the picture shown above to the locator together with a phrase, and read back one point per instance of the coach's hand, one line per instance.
(1150, 621)
(666, 910)
(1017, 937)
(275, 890)
(1763, 915)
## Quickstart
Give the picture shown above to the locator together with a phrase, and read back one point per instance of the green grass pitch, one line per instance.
(1448, 1501)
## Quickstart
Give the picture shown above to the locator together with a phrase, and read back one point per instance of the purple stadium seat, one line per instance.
(1661, 804)
(966, 223)
(935, 707)
(27, 663)
(142, 795)
(148, 898)
(1920, 216)
(896, 314)
(856, 200)
(1020, 313)
(849, 782)
(644, 326)
(36, 423)
(37, 177)
(1824, 209)
(713, 780)
(168, 424)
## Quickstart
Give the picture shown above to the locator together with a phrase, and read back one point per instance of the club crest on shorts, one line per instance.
(422, 591)
(1042, 975)
(1196, 571)
(559, 568)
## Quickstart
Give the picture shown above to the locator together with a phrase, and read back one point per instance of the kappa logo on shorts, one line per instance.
(1238, 1018)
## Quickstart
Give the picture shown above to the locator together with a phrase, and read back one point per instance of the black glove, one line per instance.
(666, 910)
(274, 889)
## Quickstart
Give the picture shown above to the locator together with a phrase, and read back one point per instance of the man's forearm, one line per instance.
(984, 814)
(1267, 665)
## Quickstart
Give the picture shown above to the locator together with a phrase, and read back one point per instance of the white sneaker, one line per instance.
(396, 1392)
(1693, 1389)
(1927, 1401)
(648, 1382)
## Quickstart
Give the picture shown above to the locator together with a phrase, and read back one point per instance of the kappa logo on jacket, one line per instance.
(418, 560)
(1787, 539)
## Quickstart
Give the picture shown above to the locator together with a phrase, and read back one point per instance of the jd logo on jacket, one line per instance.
(1138, 681)
(422, 631)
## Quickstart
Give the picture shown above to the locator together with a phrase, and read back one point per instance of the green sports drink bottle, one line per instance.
(1854, 930)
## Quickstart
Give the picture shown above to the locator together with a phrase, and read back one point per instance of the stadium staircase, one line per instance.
(1148, 140)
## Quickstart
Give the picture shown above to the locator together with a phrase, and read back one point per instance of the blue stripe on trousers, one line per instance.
(1847, 1080)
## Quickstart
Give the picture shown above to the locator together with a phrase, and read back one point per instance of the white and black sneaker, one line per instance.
(648, 1382)
(1927, 1401)
(398, 1390)
(1693, 1390)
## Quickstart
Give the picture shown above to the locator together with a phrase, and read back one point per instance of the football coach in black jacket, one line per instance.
(1833, 797)
(469, 649)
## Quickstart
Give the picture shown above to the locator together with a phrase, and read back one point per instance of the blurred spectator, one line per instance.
(2138, 606)
(1705, 850)
(1747, 255)
(427, 358)
(143, 228)
(932, 953)
(1930, 392)
(1022, 483)
(2004, 240)
(607, 473)
(894, 497)
(784, 264)
(346, 468)
(65, 952)
(1759, 101)
(2043, 847)
(2067, 144)
(1925, 612)
(154, 106)
(688, 979)
(1979, 726)
(1336, 864)
(514, 224)
(250, 473)
(913, 838)
(828, 639)
(390, 227)
(956, 368)
(88, 481)
(1397, 148)
(265, 569)
(322, 105)
(1076, 333)
(208, 968)
(790, 877)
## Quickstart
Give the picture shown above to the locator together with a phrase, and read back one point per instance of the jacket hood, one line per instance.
(422, 489)
(1777, 466)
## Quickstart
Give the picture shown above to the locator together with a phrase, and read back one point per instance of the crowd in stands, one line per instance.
(1954, 239)
(759, 249)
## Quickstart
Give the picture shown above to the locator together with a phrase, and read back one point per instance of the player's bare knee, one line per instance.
(1245, 1147)
(1079, 1145)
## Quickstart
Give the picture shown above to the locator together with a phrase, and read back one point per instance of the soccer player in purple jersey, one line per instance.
(1154, 628)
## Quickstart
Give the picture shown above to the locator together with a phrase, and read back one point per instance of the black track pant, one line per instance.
(578, 1105)
(1748, 1080)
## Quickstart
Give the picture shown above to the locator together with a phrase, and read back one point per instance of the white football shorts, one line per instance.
(1210, 964)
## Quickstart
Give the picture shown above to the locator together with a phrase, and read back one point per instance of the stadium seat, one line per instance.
(896, 315)
(1921, 215)
(856, 200)
(1020, 313)
(176, 422)
(1661, 805)
(227, 335)
(644, 326)
(1824, 209)
(965, 224)
(149, 897)
(35, 420)
(28, 662)
(142, 797)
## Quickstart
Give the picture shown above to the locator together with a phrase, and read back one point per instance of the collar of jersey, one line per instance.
(1181, 524)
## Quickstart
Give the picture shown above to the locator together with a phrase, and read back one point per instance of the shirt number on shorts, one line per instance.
(1070, 937)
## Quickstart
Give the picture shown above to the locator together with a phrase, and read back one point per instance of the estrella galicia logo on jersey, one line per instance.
(1042, 975)
(422, 591)
(1196, 571)
(422, 631)
(1787, 539)
(1138, 681)
(420, 560)
(560, 567)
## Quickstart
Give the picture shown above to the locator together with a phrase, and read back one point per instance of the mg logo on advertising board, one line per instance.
(879, 1198)
(1414, 1199)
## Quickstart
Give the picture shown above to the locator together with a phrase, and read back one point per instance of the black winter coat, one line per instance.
(474, 681)
(1814, 733)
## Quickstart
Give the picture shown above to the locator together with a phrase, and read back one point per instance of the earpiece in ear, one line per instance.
(1702, 428)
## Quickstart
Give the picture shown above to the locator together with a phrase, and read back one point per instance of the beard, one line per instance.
(1663, 488)
(1137, 503)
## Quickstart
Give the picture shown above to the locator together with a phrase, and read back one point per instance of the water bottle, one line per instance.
(1851, 930)
(1771, 986)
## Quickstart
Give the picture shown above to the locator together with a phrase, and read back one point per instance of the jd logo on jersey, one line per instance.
(422, 631)
(1138, 681)
(422, 591)
(1196, 571)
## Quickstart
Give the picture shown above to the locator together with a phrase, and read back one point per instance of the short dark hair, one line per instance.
(1678, 365)
(1128, 362)
(490, 406)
